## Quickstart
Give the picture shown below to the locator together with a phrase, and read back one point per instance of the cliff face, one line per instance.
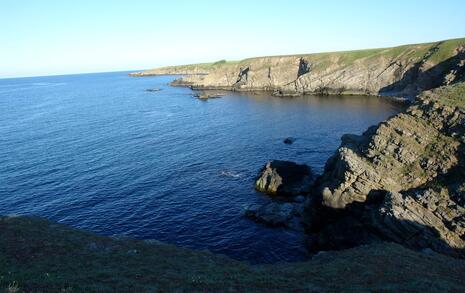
(192, 69)
(403, 180)
(401, 71)
(174, 70)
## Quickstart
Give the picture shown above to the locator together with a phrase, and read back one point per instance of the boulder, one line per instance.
(284, 178)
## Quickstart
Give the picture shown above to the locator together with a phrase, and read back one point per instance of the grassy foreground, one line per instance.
(37, 255)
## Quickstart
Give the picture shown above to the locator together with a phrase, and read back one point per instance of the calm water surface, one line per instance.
(96, 151)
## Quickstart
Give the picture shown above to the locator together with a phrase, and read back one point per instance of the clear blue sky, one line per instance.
(45, 37)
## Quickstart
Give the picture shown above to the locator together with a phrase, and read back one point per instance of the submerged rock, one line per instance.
(284, 178)
(206, 96)
(289, 140)
(274, 213)
(153, 90)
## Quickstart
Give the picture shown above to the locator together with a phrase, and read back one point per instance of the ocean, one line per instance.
(99, 152)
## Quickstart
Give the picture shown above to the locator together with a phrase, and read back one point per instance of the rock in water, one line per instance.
(153, 90)
(289, 140)
(206, 96)
(284, 178)
(273, 214)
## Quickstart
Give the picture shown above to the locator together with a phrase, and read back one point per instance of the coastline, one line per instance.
(403, 71)
(393, 196)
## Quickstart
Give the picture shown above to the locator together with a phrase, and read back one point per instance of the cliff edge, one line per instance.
(402, 71)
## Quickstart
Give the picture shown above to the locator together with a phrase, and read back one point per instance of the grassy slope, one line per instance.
(38, 255)
(452, 96)
(406, 53)
(200, 67)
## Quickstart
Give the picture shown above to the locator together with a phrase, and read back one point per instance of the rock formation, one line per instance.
(284, 178)
(272, 213)
(206, 96)
(402, 71)
(402, 181)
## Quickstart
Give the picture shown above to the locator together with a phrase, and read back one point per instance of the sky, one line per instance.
(50, 37)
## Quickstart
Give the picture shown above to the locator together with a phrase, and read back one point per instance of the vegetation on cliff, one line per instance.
(201, 68)
(401, 181)
(402, 71)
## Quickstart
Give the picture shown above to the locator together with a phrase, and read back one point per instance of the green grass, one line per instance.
(452, 96)
(40, 256)
(446, 50)
(219, 62)
(405, 54)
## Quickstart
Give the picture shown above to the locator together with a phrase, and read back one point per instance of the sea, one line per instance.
(100, 152)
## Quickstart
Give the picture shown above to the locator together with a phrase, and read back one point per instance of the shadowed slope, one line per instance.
(38, 255)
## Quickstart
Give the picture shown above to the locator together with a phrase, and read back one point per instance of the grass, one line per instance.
(205, 65)
(405, 54)
(219, 62)
(41, 256)
(452, 96)
(414, 51)
(446, 50)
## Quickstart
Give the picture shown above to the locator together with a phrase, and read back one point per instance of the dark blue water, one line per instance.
(97, 151)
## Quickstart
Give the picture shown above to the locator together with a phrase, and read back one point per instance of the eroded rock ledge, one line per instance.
(403, 71)
(401, 181)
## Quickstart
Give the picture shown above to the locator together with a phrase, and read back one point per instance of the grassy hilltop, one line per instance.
(402, 71)
(344, 58)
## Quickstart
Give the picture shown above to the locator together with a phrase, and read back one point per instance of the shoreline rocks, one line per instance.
(207, 96)
(284, 178)
(276, 214)
(402, 181)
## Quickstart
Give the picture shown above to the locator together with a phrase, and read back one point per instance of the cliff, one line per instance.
(401, 71)
(402, 180)
(192, 69)
(41, 256)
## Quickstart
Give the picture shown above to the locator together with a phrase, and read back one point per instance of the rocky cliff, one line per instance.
(402, 71)
(402, 181)
(192, 69)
